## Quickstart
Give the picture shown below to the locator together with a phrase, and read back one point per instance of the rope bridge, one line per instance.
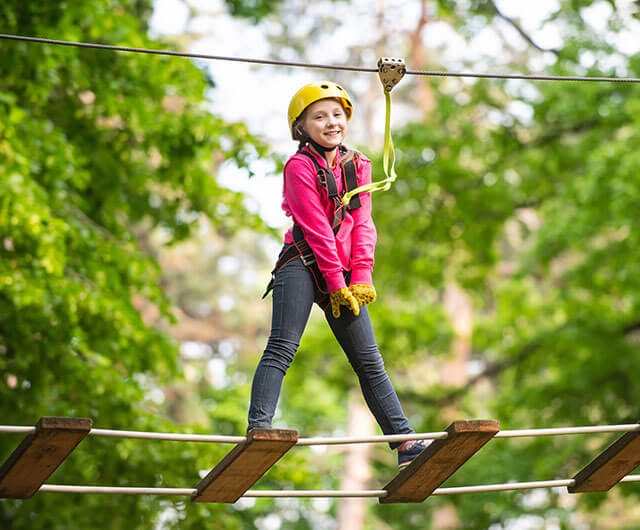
(48, 443)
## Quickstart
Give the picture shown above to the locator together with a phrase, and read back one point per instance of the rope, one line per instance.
(171, 437)
(442, 435)
(632, 427)
(110, 490)
(509, 486)
(16, 429)
(384, 438)
(344, 440)
(316, 65)
(513, 486)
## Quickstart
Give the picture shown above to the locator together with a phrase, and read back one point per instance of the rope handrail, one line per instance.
(172, 437)
(315, 65)
(484, 488)
(382, 438)
(559, 431)
(344, 440)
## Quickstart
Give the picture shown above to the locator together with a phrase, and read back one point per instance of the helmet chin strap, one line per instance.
(321, 149)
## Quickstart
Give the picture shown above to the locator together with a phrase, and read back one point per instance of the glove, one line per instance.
(363, 293)
(343, 297)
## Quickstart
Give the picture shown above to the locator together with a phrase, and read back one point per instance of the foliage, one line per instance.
(525, 194)
(530, 194)
(91, 144)
(256, 10)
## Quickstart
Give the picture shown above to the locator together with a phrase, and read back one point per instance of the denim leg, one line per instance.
(293, 293)
(355, 335)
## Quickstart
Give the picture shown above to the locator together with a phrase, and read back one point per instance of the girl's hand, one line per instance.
(363, 293)
(343, 297)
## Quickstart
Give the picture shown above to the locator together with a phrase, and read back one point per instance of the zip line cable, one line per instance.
(317, 65)
(185, 54)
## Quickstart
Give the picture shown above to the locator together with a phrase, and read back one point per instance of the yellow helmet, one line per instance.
(313, 92)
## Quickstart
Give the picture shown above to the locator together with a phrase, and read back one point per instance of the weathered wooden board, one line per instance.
(614, 463)
(244, 465)
(439, 461)
(40, 454)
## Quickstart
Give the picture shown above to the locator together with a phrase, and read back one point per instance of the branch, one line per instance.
(516, 25)
(491, 371)
(495, 369)
(630, 328)
(571, 129)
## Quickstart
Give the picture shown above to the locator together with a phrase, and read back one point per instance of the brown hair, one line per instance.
(347, 155)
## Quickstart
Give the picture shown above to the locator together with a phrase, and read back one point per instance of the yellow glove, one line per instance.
(363, 293)
(343, 297)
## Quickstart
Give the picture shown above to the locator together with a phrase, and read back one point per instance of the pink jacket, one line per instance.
(306, 201)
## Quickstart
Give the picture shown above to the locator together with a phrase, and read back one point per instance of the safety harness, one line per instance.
(300, 248)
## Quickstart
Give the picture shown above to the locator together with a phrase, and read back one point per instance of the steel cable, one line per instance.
(316, 65)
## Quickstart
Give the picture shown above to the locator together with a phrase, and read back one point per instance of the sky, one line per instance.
(259, 95)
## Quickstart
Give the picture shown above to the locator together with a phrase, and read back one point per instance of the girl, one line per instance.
(327, 258)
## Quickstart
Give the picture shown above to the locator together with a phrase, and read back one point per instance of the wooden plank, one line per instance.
(244, 465)
(39, 455)
(440, 460)
(608, 468)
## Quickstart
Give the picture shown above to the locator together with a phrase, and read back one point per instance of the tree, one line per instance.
(524, 194)
(522, 186)
(93, 144)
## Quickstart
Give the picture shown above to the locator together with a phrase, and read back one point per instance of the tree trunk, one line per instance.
(357, 471)
(457, 305)
(458, 308)
(424, 96)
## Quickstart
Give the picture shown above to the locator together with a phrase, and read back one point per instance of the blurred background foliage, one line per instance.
(507, 267)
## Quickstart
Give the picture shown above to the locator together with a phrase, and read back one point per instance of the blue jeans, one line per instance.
(293, 295)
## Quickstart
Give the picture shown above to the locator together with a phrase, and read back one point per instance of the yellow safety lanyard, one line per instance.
(390, 70)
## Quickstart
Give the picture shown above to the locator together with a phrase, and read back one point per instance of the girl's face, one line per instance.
(325, 122)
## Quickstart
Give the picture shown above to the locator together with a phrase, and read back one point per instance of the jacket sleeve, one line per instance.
(302, 193)
(364, 231)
